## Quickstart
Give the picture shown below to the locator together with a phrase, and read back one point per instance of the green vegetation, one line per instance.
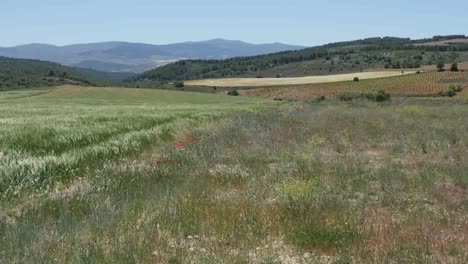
(126, 175)
(452, 90)
(441, 66)
(179, 84)
(233, 93)
(343, 57)
(380, 96)
(52, 135)
(316, 183)
(20, 73)
(454, 67)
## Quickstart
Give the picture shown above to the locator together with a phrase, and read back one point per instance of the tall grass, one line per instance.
(319, 183)
(54, 135)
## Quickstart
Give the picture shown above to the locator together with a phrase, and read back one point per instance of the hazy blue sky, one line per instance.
(304, 22)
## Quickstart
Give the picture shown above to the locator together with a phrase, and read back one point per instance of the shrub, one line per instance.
(233, 93)
(356, 79)
(380, 96)
(440, 66)
(451, 91)
(418, 72)
(179, 84)
(348, 96)
(454, 67)
(320, 99)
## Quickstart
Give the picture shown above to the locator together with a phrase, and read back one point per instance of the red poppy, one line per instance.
(180, 145)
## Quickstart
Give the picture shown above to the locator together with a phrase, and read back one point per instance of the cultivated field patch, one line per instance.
(255, 82)
(51, 135)
(423, 84)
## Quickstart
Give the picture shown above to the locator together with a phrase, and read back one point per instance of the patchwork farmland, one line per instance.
(205, 165)
(423, 84)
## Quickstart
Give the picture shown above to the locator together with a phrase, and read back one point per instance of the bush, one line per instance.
(454, 67)
(440, 66)
(233, 93)
(380, 96)
(348, 96)
(179, 84)
(356, 79)
(451, 91)
(320, 99)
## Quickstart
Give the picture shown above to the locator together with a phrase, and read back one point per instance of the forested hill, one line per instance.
(350, 56)
(22, 73)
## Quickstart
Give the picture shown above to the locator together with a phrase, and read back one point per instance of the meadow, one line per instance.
(176, 177)
(51, 135)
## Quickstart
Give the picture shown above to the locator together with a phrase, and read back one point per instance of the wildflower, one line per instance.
(181, 145)
(158, 161)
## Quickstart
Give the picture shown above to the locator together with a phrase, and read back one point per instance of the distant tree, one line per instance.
(179, 84)
(51, 73)
(64, 74)
(454, 67)
(440, 66)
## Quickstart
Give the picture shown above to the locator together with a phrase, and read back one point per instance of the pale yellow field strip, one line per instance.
(244, 82)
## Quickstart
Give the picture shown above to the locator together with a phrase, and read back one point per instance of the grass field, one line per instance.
(251, 82)
(305, 183)
(51, 135)
(426, 83)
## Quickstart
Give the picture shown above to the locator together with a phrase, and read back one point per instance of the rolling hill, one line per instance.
(22, 73)
(138, 57)
(335, 58)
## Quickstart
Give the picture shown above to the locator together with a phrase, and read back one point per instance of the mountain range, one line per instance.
(138, 57)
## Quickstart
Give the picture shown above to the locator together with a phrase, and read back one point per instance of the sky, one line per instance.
(302, 22)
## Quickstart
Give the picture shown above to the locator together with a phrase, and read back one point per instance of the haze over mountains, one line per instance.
(138, 57)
